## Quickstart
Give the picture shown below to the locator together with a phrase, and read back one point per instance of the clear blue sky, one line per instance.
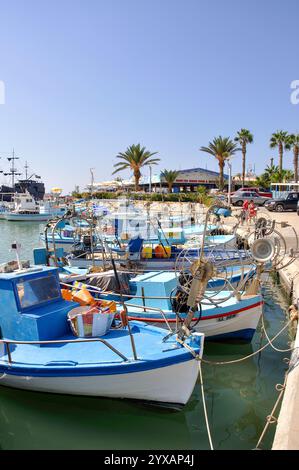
(85, 79)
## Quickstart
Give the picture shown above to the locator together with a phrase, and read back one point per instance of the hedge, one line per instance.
(152, 197)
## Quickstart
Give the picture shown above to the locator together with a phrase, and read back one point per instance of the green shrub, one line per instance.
(196, 197)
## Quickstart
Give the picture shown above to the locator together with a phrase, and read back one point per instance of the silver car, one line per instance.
(237, 199)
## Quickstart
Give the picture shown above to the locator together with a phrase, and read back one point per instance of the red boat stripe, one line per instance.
(173, 320)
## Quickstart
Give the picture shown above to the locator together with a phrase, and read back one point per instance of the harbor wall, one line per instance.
(287, 430)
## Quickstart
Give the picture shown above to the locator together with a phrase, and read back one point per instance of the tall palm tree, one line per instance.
(294, 143)
(244, 137)
(134, 158)
(170, 176)
(280, 139)
(222, 148)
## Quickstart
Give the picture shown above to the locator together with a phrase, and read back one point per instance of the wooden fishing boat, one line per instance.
(39, 351)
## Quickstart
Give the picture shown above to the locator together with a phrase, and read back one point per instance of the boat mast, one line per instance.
(26, 170)
(13, 171)
(92, 181)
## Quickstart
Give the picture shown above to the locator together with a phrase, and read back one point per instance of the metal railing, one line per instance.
(8, 342)
(154, 309)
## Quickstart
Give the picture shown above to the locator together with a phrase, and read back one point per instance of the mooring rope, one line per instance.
(271, 341)
(244, 358)
(204, 406)
(198, 358)
(271, 419)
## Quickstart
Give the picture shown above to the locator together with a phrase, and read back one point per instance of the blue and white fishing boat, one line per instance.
(39, 351)
(220, 316)
(63, 237)
(147, 255)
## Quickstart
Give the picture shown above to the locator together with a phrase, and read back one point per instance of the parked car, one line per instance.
(238, 198)
(284, 204)
(259, 191)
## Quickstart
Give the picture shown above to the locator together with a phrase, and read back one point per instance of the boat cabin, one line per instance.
(25, 204)
(31, 305)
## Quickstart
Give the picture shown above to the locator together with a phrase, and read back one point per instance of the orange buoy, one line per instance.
(124, 317)
(84, 297)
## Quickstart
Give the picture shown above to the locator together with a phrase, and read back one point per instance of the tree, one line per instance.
(273, 174)
(244, 137)
(134, 158)
(280, 139)
(222, 148)
(282, 176)
(270, 171)
(76, 190)
(294, 144)
(263, 181)
(170, 176)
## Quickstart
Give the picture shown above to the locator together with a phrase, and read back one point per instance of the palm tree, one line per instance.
(134, 158)
(294, 143)
(170, 176)
(280, 139)
(282, 176)
(263, 181)
(271, 170)
(222, 148)
(244, 137)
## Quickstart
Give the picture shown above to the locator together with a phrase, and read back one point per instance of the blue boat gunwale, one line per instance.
(173, 356)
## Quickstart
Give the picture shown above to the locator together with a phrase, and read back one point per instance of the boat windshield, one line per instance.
(38, 290)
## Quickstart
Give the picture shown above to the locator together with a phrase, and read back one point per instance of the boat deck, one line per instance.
(79, 358)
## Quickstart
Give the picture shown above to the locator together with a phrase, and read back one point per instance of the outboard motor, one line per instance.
(179, 298)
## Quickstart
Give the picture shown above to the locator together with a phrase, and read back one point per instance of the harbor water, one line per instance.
(239, 396)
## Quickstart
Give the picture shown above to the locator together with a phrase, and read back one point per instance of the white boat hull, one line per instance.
(27, 217)
(171, 384)
(234, 324)
(238, 323)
